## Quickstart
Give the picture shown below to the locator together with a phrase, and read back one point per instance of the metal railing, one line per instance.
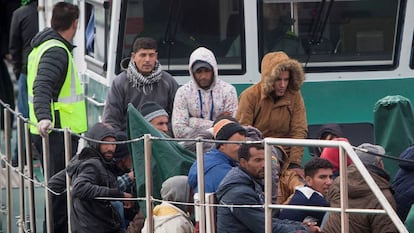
(24, 144)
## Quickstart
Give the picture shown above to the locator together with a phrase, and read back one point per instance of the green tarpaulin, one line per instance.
(393, 127)
(168, 157)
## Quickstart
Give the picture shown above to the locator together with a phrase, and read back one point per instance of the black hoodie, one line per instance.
(94, 177)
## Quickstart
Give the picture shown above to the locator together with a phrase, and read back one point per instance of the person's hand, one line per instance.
(129, 203)
(44, 126)
(312, 227)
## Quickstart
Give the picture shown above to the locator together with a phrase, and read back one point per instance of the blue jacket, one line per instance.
(404, 184)
(216, 166)
(309, 197)
(238, 188)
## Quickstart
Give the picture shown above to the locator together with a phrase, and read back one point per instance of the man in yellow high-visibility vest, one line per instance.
(55, 94)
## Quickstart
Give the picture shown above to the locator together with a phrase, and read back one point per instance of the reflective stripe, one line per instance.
(66, 100)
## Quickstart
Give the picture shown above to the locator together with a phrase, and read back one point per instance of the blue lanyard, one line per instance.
(201, 105)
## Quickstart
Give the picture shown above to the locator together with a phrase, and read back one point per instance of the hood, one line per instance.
(273, 64)
(98, 132)
(203, 54)
(407, 154)
(48, 34)
(176, 189)
(333, 128)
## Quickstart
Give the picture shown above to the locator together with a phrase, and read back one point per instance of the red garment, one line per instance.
(332, 155)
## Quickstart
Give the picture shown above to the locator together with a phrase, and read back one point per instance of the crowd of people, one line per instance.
(206, 107)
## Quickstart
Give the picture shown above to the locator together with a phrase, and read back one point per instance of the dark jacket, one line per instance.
(360, 196)
(51, 75)
(239, 188)
(404, 184)
(24, 26)
(122, 93)
(93, 177)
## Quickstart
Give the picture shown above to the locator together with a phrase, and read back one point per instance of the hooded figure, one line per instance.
(169, 217)
(204, 98)
(94, 176)
(360, 195)
(276, 111)
(404, 183)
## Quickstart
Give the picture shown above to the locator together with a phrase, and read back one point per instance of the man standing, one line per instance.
(24, 26)
(243, 185)
(55, 93)
(54, 89)
(143, 81)
(275, 105)
(204, 98)
(96, 176)
(220, 160)
(360, 195)
(318, 176)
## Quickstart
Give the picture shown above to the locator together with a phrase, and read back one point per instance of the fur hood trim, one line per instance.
(273, 64)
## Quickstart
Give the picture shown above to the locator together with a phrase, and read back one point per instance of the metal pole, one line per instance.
(20, 154)
(268, 186)
(7, 144)
(148, 181)
(45, 144)
(344, 190)
(68, 155)
(200, 182)
(29, 159)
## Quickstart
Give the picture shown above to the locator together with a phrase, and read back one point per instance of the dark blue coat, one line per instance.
(239, 188)
(404, 184)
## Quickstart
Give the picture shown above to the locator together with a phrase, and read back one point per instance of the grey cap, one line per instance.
(368, 158)
(200, 64)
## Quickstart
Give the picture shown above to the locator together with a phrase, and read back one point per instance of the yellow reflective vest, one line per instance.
(71, 100)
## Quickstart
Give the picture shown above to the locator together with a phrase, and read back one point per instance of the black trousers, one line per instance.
(56, 164)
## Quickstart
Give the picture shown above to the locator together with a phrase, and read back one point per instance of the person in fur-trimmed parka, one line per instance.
(275, 105)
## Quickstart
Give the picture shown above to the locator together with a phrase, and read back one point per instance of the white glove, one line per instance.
(44, 126)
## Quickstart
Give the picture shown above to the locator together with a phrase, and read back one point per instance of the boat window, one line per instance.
(97, 18)
(347, 33)
(181, 26)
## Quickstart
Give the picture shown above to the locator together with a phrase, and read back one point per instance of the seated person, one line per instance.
(204, 98)
(360, 195)
(404, 183)
(318, 176)
(156, 115)
(169, 217)
(243, 186)
(220, 160)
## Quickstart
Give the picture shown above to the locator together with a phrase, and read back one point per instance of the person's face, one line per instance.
(232, 149)
(204, 77)
(107, 150)
(160, 123)
(281, 83)
(145, 60)
(255, 165)
(321, 181)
